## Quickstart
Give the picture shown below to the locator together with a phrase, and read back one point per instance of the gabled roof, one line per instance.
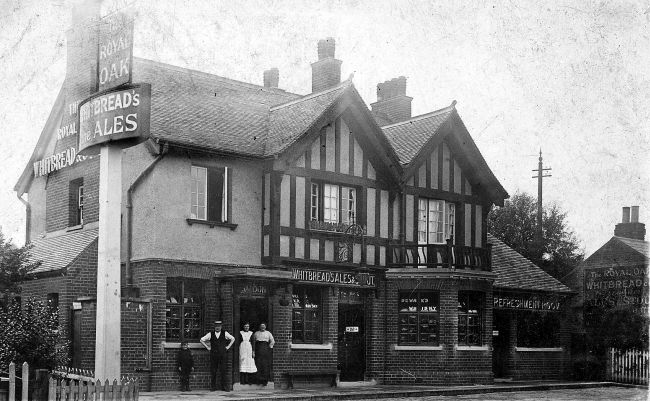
(56, 253)
(409, 137)
(515, 272)
(202, 110)
(290, 120)
(637, 245)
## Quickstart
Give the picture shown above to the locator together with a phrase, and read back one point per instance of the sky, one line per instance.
(569, 77)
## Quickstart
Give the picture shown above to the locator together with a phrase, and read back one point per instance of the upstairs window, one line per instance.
(470, 317)
(209, 194)
(334, 204)
(76, 202)
(436, 221)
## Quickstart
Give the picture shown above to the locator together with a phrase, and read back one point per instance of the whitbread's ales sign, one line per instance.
(115, 52)
(119, 115)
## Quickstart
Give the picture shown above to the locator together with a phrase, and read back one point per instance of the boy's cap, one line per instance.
(217, 322)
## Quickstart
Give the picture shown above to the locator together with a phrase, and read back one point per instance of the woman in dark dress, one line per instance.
(263, 345)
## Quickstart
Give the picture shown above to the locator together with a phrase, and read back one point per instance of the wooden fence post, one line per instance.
(25, 380)
(51, 390)
(12, 381)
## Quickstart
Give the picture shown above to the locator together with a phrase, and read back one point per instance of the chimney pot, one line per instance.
(326, 48)
(634, 216)
(271, 78)
(626, 215)
(392, 104)
(326, 72)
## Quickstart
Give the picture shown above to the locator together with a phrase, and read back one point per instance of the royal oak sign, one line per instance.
(115, 52)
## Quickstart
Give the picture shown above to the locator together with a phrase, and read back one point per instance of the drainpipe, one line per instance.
(129, 219)
(28, 217)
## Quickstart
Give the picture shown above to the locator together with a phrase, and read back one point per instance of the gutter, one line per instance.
(129, 218)
(28, 217)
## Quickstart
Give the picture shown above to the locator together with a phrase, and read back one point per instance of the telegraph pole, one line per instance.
(541, 174)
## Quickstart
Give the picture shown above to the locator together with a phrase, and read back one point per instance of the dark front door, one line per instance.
(501, 344)
(351, 337)
(76, 338)
(253, 311)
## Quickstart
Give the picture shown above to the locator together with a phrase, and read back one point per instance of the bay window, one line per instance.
(470, 317)
(419, 316)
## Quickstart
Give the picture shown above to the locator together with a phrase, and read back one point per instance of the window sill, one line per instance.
(212, 224)
(397, 347)
(75, 228)
(472, 348)
(539, 349)
(177, 345)
(327, 346)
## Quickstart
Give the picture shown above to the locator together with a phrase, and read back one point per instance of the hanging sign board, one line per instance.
(115, 51)
(121, 116)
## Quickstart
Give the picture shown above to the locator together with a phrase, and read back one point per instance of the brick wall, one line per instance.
(57, 204)
(435, 367)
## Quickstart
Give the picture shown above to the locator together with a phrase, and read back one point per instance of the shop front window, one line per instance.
(306, 316)
(419, 316)
(470, 317)
(184, 309)
(537, 329)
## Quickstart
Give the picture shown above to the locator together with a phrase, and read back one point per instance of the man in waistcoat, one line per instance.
(218, 342)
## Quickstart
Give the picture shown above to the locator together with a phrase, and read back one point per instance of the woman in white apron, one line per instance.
(247, 368)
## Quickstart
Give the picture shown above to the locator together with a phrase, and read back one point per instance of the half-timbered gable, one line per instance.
(335, 171)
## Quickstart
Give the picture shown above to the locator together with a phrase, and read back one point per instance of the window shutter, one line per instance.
(215, 194)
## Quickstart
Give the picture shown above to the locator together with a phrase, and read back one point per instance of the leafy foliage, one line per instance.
(516, 224)
(32, 334)
(29, 332)
(14, 266)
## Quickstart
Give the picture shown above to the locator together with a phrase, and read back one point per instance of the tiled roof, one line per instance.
(638, 245)
(290, 120)
(198, 109)
(58, 252)
(408, 137)
(516, 272)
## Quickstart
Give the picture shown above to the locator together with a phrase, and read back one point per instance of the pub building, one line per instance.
(357, 235)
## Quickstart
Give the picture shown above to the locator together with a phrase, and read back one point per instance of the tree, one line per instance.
(516, 224)
(15, 264)
(29, 332)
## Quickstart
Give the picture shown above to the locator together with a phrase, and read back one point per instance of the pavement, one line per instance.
(362, 392)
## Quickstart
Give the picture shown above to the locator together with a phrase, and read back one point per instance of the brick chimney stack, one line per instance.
(326, 72)
(630, 226)
(271, 78)
(81, 63)
(392, 104)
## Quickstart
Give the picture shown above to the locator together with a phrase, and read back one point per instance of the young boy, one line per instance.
(185, 364)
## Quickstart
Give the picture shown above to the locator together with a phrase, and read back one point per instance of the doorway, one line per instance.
(253, 311)
(501, 344)
(351, 341)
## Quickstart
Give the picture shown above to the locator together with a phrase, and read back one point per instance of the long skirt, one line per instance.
(263, 359)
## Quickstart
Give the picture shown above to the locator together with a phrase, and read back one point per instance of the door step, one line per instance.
(366, 383)
(252, 387)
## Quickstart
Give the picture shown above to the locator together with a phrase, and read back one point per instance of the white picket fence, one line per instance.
(628, 366)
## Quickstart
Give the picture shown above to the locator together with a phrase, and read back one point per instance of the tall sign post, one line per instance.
(114, 118)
